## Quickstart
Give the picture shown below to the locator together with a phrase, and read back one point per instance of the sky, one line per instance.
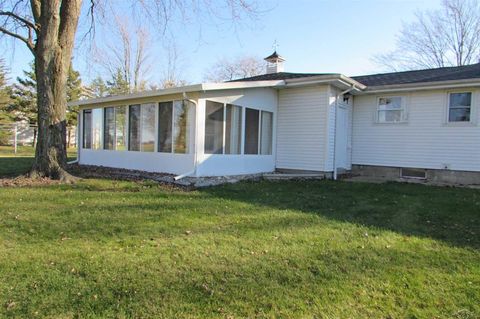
(312, 35)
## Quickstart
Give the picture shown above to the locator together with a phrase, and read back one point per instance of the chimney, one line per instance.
(274, 63)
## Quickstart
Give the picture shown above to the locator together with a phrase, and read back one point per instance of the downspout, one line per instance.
(335, 130)
(195, 153)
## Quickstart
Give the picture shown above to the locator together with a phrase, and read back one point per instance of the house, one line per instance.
(415, 124)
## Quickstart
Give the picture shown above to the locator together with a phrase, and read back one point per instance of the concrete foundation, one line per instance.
(436, 176)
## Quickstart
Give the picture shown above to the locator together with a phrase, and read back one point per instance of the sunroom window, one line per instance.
(214, 128)
(148, 128)
(181, 126)
(165, 113)
(109, 128)
(134, 127)
(252, 125)
(97, 129)
(87, 129)
(258, 132)
(175, 122)
(459, 107)
(233, 129)
(114, 127)
(141, 136)
(120, 128)
(391, 109)
(223, 128)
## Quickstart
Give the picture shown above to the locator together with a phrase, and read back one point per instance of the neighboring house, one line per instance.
(420, 124)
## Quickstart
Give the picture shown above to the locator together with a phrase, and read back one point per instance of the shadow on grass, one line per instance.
(11, 167)
(451, 215)
(15, 166)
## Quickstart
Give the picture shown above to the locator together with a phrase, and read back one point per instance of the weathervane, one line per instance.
(275, 45)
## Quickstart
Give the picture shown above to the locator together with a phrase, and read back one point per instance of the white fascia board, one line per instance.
(182, 89)
(423, 86)
(146, 94)
(242, 85)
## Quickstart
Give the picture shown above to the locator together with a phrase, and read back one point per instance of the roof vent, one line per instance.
(274, 63)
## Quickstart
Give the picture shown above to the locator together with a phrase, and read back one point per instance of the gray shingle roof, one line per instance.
(279, 76)
(429, 75)
(407, 77)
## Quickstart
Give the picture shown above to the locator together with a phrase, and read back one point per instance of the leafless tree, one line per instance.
(172, 73)
(449, 36)
(241, 67)
(126, 51)
(48, 29)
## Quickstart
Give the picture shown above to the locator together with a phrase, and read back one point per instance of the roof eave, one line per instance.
(327, 79)
(422, 86)
(178, 90)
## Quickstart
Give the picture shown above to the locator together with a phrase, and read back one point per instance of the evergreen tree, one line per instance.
(24, 95)
(5, 92)
(4, 88)
(97, 88)
(118, 84)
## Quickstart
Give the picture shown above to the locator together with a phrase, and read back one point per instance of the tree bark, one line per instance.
(53, 52)
(34, 144)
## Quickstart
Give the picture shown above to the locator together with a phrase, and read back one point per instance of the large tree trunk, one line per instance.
(53, 53)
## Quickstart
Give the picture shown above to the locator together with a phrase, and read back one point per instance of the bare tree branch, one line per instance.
(19, 37)
(241, 67)
(446, 37)
(26, 22)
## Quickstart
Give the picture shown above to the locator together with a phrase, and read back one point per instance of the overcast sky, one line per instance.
(313, 35)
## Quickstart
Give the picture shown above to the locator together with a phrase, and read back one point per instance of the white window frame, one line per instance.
(472, 109)
(260, 126)
(242, 128)
(403, 109)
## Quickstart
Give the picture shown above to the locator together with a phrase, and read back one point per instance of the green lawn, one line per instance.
(16, 164)
(324, 249)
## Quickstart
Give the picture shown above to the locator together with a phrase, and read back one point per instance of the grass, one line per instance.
(16, 164)
(110, 249)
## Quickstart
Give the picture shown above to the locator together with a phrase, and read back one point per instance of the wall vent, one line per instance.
(416, 173)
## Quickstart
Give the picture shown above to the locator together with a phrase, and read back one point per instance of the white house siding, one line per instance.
(302, 128)
(426, 140)
(225, 164)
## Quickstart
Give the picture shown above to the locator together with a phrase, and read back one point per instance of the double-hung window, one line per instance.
(391, 109)
(459, 107)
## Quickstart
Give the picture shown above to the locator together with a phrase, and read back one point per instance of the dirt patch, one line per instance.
(24, 181)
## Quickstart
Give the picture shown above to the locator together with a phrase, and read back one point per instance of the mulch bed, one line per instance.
(101, 172)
